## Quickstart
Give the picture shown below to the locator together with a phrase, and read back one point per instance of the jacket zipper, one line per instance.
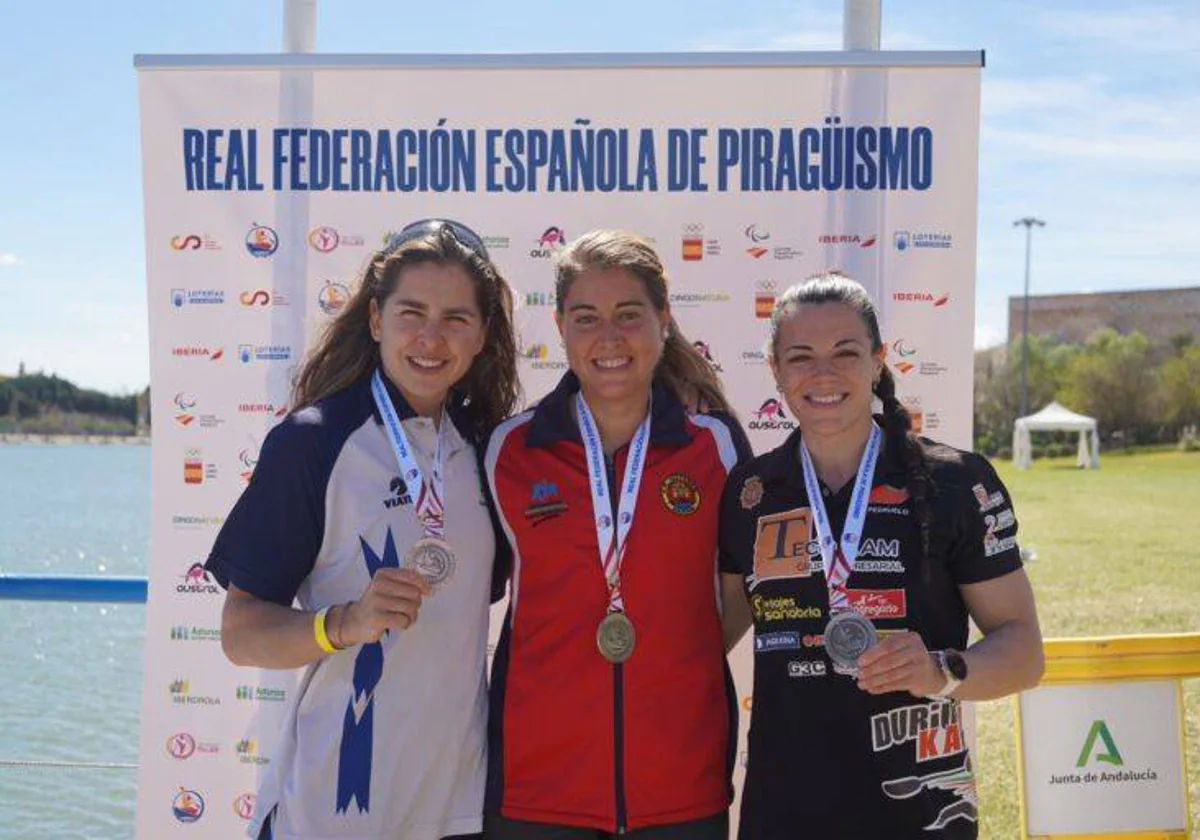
(610, 464)
(619, 743)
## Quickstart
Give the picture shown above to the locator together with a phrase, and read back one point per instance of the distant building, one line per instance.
(1159, 314)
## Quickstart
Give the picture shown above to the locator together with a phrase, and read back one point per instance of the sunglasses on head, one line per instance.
(426, 228)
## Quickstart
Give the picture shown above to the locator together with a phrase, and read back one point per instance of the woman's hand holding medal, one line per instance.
(392, 602)
(900, 662)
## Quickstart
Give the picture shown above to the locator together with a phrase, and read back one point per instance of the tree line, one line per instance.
(47, 404)
(1139, 393)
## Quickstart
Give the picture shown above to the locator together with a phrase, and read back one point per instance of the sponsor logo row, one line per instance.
(330, 299)
(333, 295)
(695, 243)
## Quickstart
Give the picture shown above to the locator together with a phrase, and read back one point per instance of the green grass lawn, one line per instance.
(1118, 552)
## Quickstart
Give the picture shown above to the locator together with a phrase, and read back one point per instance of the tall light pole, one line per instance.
(1029, 223)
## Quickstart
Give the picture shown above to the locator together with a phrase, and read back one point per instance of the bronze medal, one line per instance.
(616, 637)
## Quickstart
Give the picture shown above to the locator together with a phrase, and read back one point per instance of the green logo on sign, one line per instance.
(1111, 754)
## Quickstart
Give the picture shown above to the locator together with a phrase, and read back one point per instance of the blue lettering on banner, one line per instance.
(582, 158)
(767, 642)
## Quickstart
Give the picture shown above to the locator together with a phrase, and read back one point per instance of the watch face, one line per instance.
(956, 665)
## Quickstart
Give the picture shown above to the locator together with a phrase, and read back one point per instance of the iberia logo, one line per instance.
(680, 494)
(923, 296)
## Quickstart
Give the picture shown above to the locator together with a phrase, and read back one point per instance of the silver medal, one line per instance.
(849, 635)
(433, 559)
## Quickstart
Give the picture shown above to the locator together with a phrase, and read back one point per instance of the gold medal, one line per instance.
(433, 559)
(616, 637)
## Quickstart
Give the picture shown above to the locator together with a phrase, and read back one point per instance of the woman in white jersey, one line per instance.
(364, 548)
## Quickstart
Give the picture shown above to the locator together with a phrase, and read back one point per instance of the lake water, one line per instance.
(71, 673)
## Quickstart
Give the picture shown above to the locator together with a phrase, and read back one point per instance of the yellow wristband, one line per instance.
(319, 631)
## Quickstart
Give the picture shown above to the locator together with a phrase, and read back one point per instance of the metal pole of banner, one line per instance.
(861, 24)
(299, 26)
(1029, 223)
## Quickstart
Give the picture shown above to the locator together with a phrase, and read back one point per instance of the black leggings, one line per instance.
(709, 828)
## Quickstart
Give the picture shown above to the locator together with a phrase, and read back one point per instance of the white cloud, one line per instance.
(1140, 28)
(8, 259)
(808, 26)
(1081, 118)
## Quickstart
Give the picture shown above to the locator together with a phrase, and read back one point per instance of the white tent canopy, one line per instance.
(1056, 418)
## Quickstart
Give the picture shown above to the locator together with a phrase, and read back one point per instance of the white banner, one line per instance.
(267, 189)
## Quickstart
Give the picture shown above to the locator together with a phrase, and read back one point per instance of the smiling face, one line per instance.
(613, 335)
(429, 330)
(825, 368)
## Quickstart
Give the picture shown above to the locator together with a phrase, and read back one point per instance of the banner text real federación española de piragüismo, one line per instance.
(831, 157)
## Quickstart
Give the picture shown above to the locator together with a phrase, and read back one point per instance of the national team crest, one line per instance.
(680, 494)
(752, 493)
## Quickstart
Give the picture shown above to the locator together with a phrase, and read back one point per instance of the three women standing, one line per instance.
(863, 551)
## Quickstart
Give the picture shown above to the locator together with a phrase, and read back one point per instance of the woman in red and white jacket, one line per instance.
(612, 709)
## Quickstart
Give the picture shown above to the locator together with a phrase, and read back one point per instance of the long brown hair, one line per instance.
(346, 353)
(835, 287)
(682, 368)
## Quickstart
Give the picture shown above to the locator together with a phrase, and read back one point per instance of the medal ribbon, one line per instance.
(428, 504)
(612, 537)
(838, 556)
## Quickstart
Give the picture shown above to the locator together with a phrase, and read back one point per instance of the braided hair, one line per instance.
(835, 287)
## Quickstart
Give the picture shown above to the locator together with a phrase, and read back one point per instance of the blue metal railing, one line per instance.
(78, 588)
(71, 588)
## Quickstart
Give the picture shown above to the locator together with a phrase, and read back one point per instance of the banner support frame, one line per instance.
(508, 61)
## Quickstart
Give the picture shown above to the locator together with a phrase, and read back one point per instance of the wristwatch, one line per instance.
(953, 666)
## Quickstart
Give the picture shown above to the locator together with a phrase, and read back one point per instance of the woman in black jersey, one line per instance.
(865, 549)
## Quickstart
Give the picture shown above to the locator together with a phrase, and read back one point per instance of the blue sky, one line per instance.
(1091, 121)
